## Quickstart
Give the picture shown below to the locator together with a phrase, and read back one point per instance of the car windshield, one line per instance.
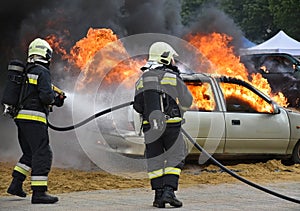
(271, 63)
(298, 61)
(276, 64)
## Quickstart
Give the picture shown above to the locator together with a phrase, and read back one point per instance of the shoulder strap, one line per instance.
(25, 82)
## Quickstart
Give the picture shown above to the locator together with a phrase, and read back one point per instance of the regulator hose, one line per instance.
(100, 113)
(234, 174)
(190, 139)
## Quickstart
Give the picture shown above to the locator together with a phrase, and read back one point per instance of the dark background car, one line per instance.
(281, 70)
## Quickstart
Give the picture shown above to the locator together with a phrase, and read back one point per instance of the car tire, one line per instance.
(296, 153)
(287, 162)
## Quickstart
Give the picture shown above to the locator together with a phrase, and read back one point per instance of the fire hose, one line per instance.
(234, 174)
(201, 150)
(101, 113)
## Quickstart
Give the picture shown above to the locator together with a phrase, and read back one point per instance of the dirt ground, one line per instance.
(71, 180)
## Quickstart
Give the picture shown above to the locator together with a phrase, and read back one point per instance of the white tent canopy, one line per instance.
(280, 43)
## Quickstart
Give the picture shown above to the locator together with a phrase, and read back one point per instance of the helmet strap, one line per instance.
(37, 58)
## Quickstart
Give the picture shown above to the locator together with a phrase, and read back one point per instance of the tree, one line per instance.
(286, 15)
(253, 16)
(188, 10)
(258, 19)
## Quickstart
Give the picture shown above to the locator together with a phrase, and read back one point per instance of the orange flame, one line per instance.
(56, 44)
(86, 48)
(264, 68)
(216, 48)
(233, 91)
(100, 55)
(202, 97)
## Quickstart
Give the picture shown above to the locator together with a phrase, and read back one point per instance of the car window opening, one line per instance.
(240, 99)
(204, 99)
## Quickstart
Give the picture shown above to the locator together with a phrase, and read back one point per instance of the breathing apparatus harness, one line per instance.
(13, 93)
(17, 80)
(153, 99)
(159, 107)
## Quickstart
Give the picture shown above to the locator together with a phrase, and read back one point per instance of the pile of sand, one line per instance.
(69, 180)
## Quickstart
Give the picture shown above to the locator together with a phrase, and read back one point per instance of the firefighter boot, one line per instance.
(169, 197)
(157, 198)
(15, 188)
(41, 197)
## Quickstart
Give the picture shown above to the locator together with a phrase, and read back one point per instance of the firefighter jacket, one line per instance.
(38, 94)
(175, 96)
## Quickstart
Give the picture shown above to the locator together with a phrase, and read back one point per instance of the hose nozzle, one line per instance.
(58, 90)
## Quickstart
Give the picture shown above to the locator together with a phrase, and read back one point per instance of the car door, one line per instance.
(251, 124)
(204, 121)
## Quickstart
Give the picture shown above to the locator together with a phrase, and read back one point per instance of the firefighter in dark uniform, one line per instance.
(32, 127)
(161, 98)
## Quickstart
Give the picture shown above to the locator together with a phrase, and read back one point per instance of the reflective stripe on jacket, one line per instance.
(168, 78)
(32, 115)
(33, 79)
(38, 93)
(170, 120)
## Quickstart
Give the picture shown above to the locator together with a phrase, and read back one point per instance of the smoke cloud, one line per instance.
(211, 19)
(22, 21)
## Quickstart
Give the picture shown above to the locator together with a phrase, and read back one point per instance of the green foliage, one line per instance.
(189, 9)
(286, 14)
(252, 16)
(258, 19)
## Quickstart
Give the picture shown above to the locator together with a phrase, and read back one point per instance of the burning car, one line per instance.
(280, 69)
(229, 118)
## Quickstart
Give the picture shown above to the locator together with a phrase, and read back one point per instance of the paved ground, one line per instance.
(225, 197)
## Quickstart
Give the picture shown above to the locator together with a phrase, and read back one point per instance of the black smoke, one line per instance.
(22, 21)
(154, 16)
(210, 19)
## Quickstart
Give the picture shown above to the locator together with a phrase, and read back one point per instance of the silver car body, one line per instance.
(223, 132)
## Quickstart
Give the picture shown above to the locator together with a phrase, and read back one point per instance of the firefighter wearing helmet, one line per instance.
(31, 122)
(161, 97)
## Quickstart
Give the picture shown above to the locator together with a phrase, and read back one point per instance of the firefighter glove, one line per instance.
(59, 100)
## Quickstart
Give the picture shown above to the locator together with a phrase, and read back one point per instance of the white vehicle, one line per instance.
(229, 118)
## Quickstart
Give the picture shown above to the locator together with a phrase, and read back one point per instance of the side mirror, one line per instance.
(297, 67)
(276, 109)
(297, 71)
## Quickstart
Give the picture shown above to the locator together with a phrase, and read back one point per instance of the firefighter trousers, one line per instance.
(165, 156)
(34, 142)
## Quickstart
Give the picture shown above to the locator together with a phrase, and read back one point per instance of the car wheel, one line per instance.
(296, 153)
(288, 162)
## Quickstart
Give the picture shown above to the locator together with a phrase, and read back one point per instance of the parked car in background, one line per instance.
(230, 119)
(280, 69)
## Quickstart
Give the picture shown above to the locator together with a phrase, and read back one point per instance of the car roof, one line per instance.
(196, 77)
(294, 59)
